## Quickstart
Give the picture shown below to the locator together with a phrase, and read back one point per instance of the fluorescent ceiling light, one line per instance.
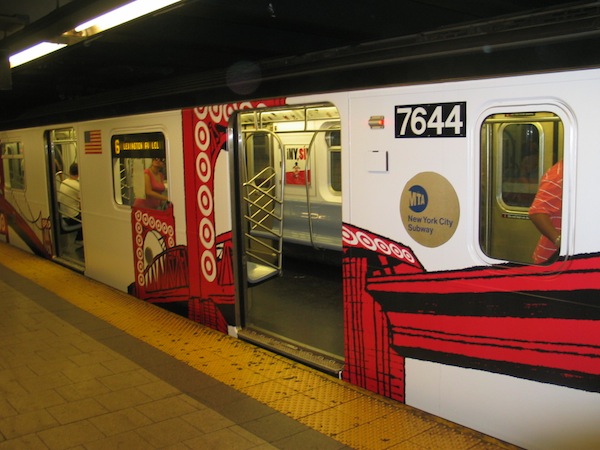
(123, 14)
(37, 51)
(111, 19)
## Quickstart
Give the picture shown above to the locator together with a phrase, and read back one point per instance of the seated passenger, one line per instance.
(69, 200)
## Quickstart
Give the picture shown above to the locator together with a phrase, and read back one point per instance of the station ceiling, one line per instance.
(198, 37)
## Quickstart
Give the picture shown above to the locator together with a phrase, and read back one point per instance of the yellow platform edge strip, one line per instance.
(346, 413)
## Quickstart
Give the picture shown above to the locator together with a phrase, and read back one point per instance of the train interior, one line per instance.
(288, 231)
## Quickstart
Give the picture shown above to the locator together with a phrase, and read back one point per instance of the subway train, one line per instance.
(380, 234)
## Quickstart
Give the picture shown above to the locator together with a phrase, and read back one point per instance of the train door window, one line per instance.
(516, 151)
(335, 160)
(260, 153)
(136, 156)
(63, 143)
(13, 165)
(520, 161)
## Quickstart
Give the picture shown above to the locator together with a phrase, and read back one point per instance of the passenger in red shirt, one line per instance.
(546, 214)
(154, 183)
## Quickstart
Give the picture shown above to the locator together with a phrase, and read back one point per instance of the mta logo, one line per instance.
(418, 198)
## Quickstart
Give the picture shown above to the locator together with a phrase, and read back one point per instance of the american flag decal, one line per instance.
(93, 141)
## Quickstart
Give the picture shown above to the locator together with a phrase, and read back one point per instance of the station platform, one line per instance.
(84, 366)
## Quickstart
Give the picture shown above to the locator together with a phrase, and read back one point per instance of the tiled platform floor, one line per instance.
(70, 379)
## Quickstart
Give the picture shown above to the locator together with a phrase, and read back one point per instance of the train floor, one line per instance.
(304, 306)
(84, 366)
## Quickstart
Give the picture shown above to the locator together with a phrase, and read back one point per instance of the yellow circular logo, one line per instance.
(429, 209)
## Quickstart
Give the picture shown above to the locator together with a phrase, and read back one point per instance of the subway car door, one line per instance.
(63, 188)
(287, 231)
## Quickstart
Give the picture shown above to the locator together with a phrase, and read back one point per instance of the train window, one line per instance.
(260, 150)
(335, 169)
(137, 156)
(63, 142)
(520, 161)
(332, 138)
(13, 165)
(516, 151)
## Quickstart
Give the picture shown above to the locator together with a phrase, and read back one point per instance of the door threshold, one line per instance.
(307, 356)
(70, 264)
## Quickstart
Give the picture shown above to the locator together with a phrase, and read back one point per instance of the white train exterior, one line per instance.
(418, 188)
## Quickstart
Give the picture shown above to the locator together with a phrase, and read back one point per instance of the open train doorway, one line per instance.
(286, 172)
(65, 204)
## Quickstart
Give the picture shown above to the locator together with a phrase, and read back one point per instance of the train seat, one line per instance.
(258, 273)
(66, 228)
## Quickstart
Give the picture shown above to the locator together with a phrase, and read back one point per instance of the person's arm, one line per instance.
(544, 225)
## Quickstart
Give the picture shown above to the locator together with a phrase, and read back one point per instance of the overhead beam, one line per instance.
(5, 73)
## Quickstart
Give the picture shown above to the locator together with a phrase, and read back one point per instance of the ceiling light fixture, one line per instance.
(37, 51)
(101, 23)
(121, 15)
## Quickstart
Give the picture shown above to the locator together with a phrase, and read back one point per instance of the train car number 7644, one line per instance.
(431, 120)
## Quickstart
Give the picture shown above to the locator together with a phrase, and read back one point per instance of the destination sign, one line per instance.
(138, 145)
